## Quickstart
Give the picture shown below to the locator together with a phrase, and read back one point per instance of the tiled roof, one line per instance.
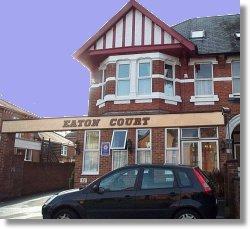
(219, 33)
(13, 107)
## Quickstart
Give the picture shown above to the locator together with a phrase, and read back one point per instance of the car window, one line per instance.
(122, 180)
(184, 179)
(154, 178)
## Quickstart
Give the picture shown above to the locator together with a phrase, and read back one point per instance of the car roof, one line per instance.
(174, 166)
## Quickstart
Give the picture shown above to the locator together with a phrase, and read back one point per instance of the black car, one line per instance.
(138, 191)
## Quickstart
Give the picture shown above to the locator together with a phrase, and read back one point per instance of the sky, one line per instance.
(38, 38)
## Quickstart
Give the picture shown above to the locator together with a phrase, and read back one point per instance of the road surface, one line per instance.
(24, 208)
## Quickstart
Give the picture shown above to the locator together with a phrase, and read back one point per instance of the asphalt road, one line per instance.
(24, 208)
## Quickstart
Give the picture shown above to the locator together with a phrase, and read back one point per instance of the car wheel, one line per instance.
(187, 214)
(65, 214)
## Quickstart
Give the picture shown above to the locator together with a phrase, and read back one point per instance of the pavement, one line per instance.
(24, 208)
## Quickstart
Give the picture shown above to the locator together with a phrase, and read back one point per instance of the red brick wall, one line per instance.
(38, 177)
(158, 67)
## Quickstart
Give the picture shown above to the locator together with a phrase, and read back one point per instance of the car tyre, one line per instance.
(65, 214)
(187, 214)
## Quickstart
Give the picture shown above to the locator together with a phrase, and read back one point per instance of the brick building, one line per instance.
(25, 158)
(141, 66)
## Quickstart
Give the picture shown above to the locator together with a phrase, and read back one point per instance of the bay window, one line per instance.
(203, 79)
(236, 77)
(144, 78)
(119, 158)
(123, 79)
(172, 146)
(91, 152)
(169, 86)
(143, 146)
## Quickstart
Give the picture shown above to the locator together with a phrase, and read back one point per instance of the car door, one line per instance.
(115, 197)
(158, 196)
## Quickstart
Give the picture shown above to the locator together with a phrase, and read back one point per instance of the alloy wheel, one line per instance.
(187, 216)
(64, 216)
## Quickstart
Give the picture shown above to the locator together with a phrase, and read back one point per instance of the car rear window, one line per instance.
(184, 179)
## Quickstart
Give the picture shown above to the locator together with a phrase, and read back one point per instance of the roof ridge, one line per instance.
(190, 19)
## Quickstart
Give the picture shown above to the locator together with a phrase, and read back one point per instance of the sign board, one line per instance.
(105, 149)
(113, 122)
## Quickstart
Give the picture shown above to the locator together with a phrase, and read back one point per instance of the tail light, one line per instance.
(202, 180)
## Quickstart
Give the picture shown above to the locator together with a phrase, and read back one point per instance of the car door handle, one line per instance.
(172, 194)
(128, 197)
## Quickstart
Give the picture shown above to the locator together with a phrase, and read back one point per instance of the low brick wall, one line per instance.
(38, 177)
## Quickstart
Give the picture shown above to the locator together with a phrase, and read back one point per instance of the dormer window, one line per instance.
(237, 35)
(198, 34)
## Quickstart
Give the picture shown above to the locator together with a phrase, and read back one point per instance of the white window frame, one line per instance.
(217, 148)
(199, 154)
(18, 135)
(209, 138)
(91, 150)
(103, 84)
(143, 61)
(206, 79)
(234, 77)
(190, 129)
(123, 148)
(26, 152)
(64, 150)
(143, 149)
(128, 62)
(115, 151)
(169, 79)
(197, 34)
(174, 148)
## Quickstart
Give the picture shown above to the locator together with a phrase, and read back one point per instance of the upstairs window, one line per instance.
(64, 150)
(197, 34)
(169, 83)
(28, 155)
(236, 77)
(203, 79)
(123, 79)
(119, 139)
(144, 78)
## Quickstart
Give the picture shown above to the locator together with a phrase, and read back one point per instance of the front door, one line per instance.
(117, 198)
(158, 196)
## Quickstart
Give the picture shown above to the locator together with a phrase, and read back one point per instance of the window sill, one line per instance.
(90, 174)
(234, 96)
(139, 99)
(204, 100)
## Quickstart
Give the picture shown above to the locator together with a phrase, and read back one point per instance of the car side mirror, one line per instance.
(101, 190)
(98, 189)
(95, 188)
